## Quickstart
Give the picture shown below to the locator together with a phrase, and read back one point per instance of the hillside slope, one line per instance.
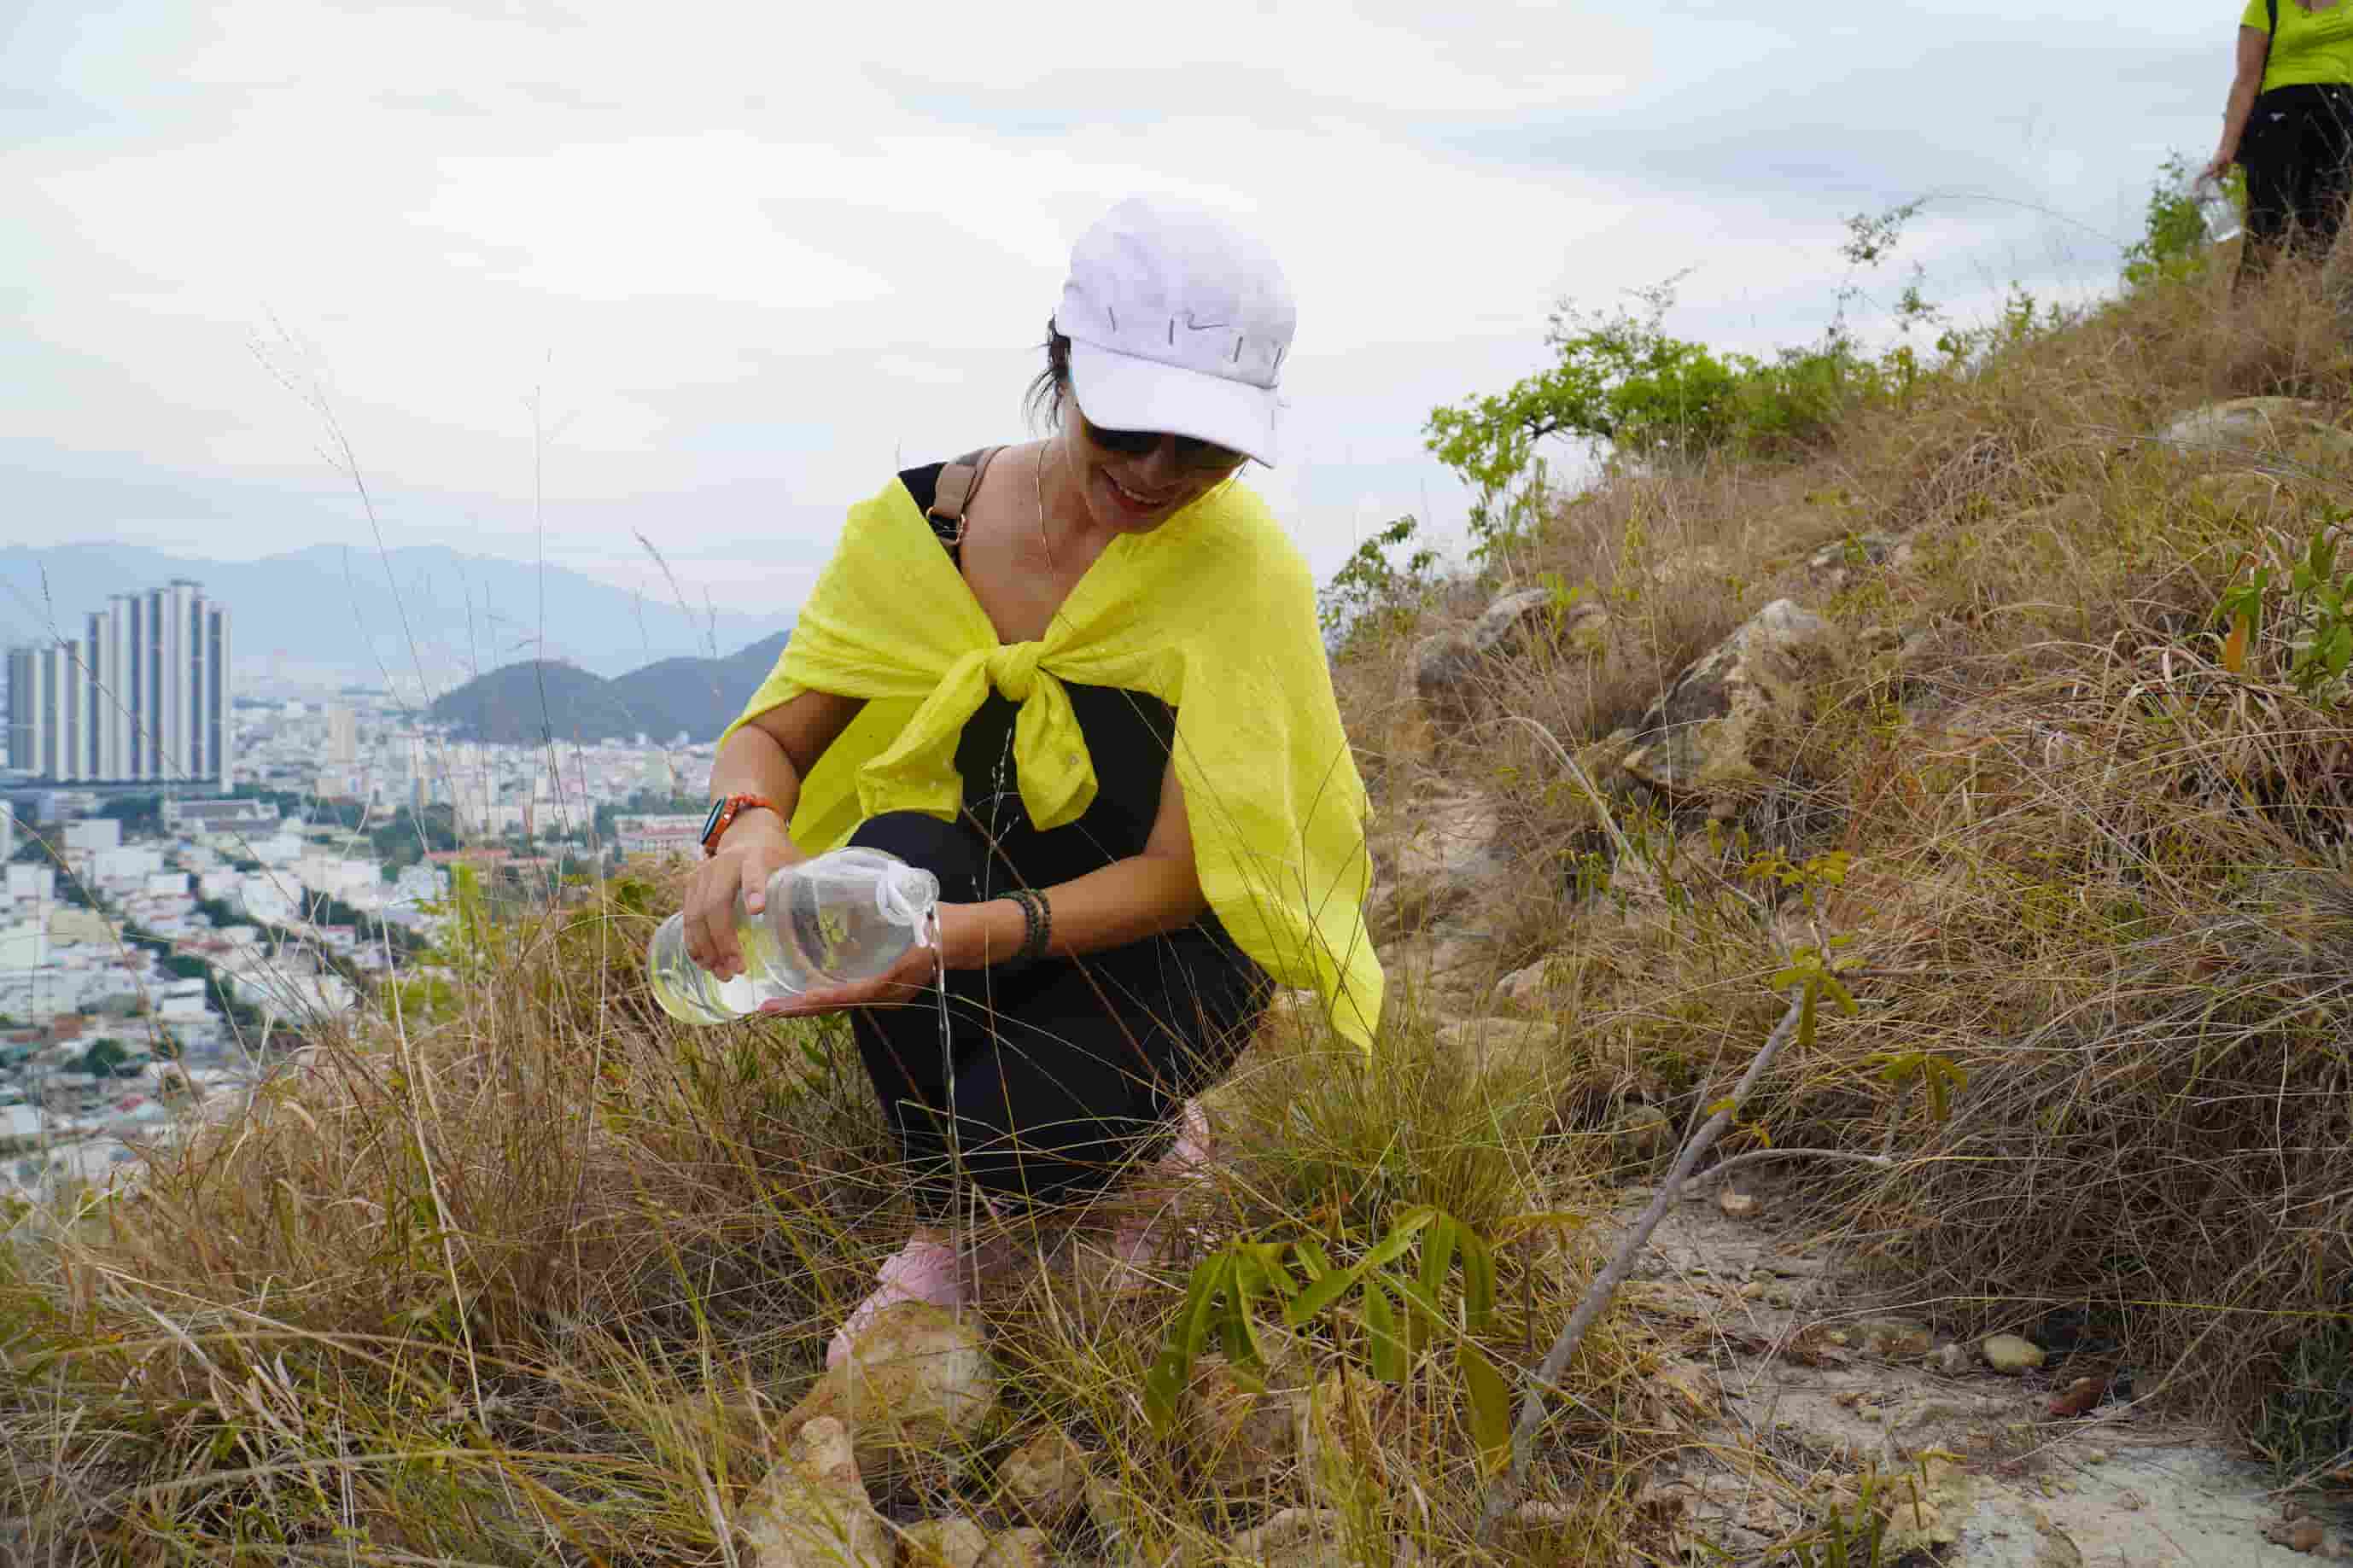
(1933, 832)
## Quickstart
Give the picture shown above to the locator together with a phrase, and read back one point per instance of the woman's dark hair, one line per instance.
(1043, 402)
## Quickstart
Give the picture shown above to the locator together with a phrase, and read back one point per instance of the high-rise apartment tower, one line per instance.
(141, 695)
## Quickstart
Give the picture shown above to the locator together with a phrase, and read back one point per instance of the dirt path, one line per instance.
(1793, 1387)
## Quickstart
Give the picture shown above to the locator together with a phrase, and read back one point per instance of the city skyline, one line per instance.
(143, 695)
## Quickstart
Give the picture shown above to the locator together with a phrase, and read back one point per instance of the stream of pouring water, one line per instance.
(928, 933)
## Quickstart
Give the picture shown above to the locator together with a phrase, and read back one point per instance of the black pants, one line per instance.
(2298, 154)
(1065, 1073)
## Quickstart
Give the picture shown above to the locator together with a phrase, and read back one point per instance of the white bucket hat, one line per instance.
(1178, 323)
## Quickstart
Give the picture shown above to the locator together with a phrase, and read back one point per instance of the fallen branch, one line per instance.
(1504, 1494)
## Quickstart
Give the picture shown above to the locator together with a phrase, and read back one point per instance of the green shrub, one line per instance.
(1622, 379)
(1371, 594)
(2172, 244)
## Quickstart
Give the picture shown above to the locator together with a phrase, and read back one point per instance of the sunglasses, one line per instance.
(1198, 456)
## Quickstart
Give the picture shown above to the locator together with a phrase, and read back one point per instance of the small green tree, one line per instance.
(1621, 378)
(1397, 1309)
(1624, 381)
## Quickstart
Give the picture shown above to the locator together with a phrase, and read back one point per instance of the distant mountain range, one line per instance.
(379, 618)
(528, 703)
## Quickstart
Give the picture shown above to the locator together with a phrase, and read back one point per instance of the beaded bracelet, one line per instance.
(1036, 925)
(1035, 948)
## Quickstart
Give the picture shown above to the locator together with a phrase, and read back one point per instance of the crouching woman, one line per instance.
(1081, 681)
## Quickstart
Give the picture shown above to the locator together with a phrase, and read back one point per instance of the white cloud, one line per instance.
(745, 259)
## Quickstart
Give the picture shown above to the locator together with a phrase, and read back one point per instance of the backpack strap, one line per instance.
(959, 479)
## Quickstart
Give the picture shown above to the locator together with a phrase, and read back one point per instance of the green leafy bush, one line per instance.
(1622, 379)
(1371, 594)
(2172, 244)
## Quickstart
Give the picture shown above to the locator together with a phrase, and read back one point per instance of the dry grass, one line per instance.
(2099, 873)
(526, 1277)
(530, 1279)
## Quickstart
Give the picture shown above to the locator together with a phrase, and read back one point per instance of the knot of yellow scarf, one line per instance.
(1049, 750)
(1013, 670)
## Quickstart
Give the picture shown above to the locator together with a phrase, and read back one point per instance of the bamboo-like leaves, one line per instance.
(1187, 1337)
(1397, 1310)
(1941, 1076)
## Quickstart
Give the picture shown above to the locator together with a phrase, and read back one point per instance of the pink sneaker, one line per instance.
(922, 1271)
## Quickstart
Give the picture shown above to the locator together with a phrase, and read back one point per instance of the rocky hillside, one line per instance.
(526, 703)
(1867, 1081)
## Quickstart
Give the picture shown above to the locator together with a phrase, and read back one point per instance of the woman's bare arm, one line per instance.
(2254, 49)
(768, 757)
(1141, 896)
(1144, 895)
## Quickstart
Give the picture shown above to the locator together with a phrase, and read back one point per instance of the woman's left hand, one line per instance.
(903, 983)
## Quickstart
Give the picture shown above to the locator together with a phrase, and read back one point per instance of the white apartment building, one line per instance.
(343, 736)
(143, 694)
(664, 835)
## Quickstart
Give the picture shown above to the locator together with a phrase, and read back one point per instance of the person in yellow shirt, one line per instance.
(1081, 681)
(2289, 123)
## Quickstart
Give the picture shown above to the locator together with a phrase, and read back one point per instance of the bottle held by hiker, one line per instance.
(839, 919)
(2216, 210)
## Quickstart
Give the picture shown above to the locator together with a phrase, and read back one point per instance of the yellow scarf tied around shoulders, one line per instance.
(1213, 613)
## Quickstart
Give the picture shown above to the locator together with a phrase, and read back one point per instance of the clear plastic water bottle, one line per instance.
(846, 916)
(2216, 210)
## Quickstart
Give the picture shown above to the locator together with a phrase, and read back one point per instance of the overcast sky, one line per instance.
(744, 260)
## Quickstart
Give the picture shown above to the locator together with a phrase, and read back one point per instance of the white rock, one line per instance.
(1843, 561)
(1434, 858)
(1242, 1439)
(1045, 1479)
(2009, 1355)
(942, 1543)
(1510, 1046)
(2244, 423)
(1295, 1538)
(1523, 990)
(1447, 666)
(917, 1379)
(812, 1510)
(1720, 722)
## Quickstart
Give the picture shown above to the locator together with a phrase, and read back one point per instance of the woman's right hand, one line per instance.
(2218, 166)
(749, 854)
